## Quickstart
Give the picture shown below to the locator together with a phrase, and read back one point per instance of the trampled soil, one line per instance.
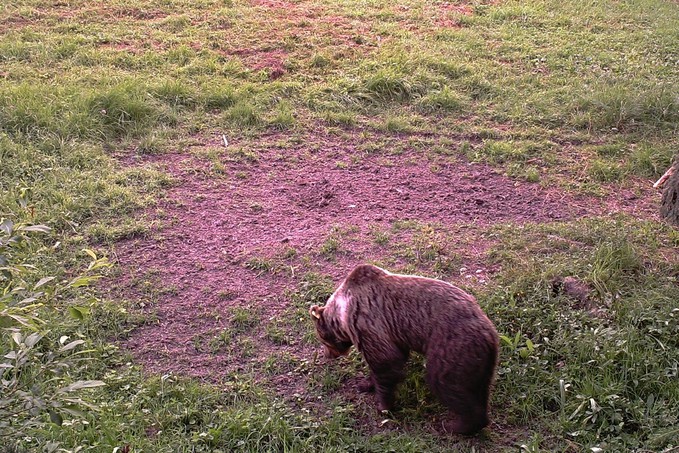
(219, 216)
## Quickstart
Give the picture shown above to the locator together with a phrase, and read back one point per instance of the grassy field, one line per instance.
(578, 98)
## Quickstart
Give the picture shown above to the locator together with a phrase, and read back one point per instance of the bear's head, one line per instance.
(333, 345)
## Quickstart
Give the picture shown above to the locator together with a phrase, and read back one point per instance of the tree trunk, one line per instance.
(669, 205)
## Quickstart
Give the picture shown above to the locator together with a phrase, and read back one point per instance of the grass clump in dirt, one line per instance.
(243, 114)
(244, 318)
(431, 249)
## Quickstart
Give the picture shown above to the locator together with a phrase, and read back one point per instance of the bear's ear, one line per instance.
(315, 311)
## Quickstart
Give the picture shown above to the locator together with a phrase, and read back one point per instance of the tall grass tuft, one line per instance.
(175, 93)
(444, 100)
(388, 84)
(283, 118)
(38, 111)
(218, 96)
(623, 105)
(613, 264)
(125, 109)
(243, 114)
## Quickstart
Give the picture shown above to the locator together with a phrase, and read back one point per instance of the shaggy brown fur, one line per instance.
(388, 315)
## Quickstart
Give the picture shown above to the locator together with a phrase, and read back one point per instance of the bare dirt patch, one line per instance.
(449, 11)
(215, 223)
(272, 61)
(14, 23)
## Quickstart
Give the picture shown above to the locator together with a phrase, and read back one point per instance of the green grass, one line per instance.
(591, 370)
(583, 95)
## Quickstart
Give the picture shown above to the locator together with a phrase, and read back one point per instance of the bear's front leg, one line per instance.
(385, 393)
(386, 363)
(367, 385)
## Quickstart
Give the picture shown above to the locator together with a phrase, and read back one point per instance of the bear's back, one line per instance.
(408, 310)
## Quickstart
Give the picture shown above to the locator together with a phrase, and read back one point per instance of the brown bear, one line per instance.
(388, 315)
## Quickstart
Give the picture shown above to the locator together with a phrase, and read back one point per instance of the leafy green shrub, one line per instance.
(39, 366)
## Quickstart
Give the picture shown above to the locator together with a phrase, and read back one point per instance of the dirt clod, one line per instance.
(573, 288)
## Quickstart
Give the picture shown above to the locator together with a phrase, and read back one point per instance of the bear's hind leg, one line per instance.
(469, 420)
(469, 406)
(465, 391)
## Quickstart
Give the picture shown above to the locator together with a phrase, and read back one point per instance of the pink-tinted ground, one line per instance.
(224, 214)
